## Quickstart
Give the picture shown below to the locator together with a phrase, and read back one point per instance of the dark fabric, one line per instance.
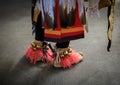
(39, 31)
(109, 41)
(32, 9)
(63, 44)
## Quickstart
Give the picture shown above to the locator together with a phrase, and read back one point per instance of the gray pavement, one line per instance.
(98, 68)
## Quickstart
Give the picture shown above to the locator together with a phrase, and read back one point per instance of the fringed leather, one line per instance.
(110, 23)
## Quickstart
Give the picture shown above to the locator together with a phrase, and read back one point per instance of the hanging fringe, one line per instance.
(33, 29)
(110, 24)
(109, 45)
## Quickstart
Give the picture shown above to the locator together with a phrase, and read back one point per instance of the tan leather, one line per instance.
(104, 3)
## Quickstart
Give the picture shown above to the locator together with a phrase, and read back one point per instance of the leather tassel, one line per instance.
(110, 24)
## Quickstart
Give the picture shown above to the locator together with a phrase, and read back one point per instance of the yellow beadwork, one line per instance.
(63, 52)
(36, 45)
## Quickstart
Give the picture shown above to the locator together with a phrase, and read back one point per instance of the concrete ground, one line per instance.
(98, 68)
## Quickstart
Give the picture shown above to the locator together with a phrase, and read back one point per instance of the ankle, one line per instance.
(36, 45)
(63, 52)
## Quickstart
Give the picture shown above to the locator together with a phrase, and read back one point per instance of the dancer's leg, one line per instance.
(66, 56)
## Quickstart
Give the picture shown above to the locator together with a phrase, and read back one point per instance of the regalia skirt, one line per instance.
(61, 19)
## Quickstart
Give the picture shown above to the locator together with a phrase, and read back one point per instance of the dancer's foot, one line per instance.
(66, 57)
(39, 51)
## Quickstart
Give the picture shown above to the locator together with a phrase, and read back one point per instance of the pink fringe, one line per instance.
(49, 56)
(69, 60)
(74, 57)
(65, 63)
(33, 55)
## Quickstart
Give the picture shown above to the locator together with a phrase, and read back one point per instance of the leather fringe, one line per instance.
(110, 24)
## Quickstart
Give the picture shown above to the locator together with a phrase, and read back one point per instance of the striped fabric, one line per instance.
(62, 20)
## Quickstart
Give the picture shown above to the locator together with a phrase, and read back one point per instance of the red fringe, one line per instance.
(49, 56)
(67, 62)
(74, 57)
(33, 55)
